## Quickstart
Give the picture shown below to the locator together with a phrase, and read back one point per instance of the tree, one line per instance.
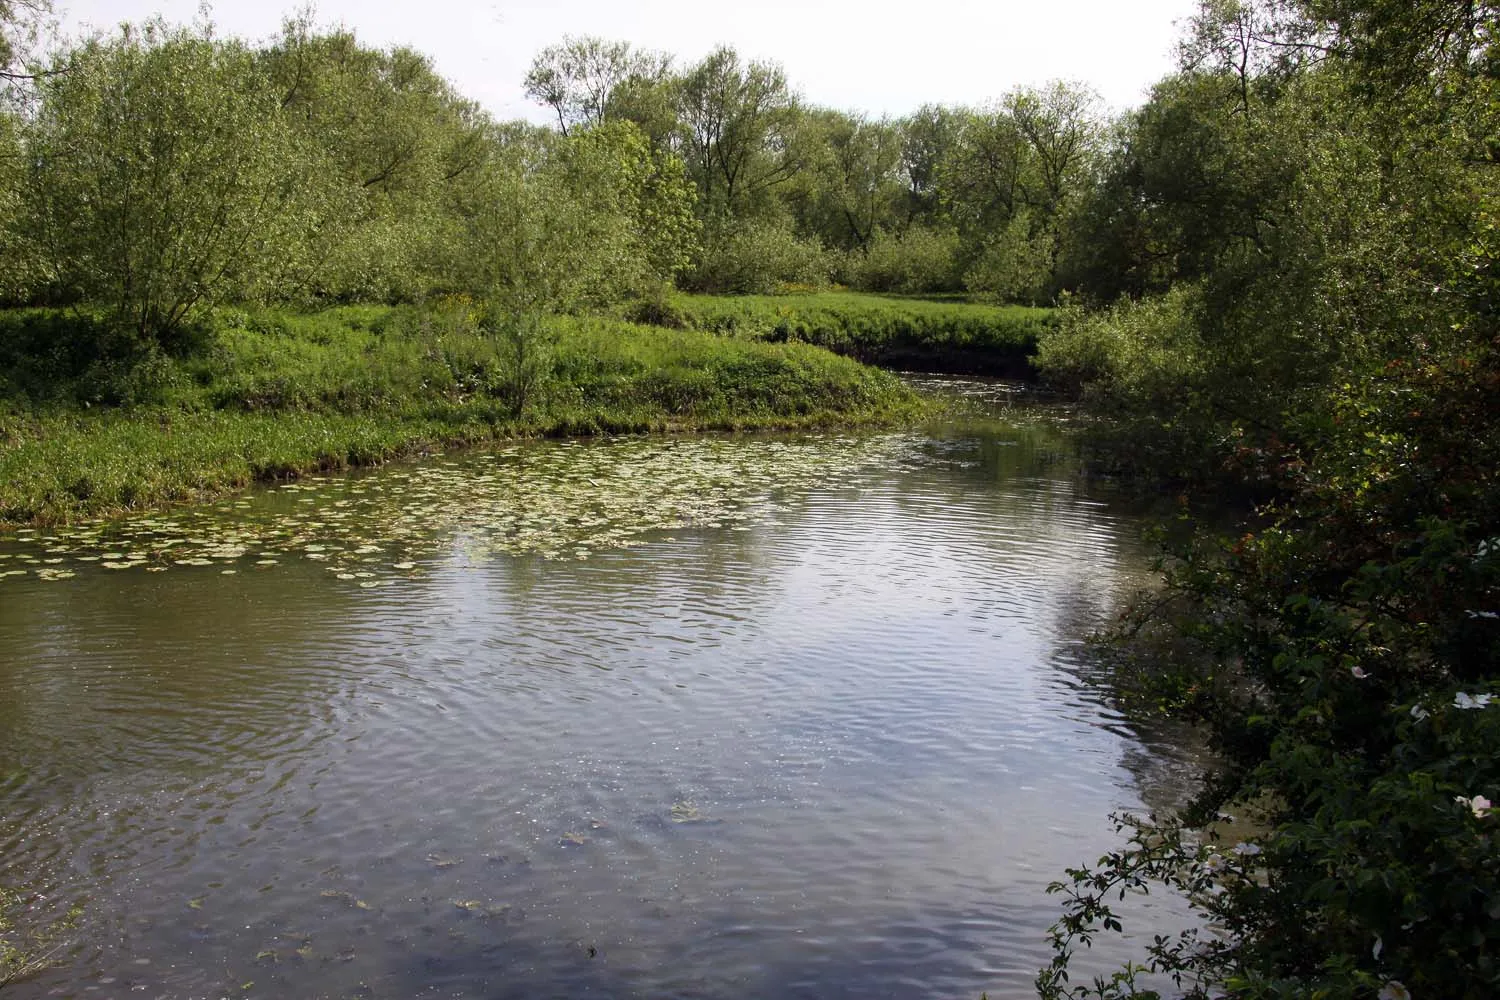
(927, 140)
(1250, 43)
(20, 23)
(854, 179)
(578, 78)
(396, 144)
(737, 124)
(1192, 179)
(1014, 263)
(1397, 44)
(163, 177)
(650, 104)
(1331, 341)
(1030, 157)
(560, 223)
(989, 175)
(21, 268)
(639, 200)
(1062, 124)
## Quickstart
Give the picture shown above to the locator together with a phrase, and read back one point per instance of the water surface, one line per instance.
(719, 717)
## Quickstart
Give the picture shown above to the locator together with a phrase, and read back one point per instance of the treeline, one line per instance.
(1294, 265)
(161, 168)
(978, 199)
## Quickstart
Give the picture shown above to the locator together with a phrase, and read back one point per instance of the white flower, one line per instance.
(1359, 673)
(1479, 805)
(1462, 700)
(1419, 713)
(1393, 990)
(1247, 850)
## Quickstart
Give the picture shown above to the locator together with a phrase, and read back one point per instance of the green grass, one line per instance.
(275, 394)
(891, 331)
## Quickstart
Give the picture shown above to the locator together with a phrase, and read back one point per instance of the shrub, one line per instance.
(164, 176)
(1136, 353)
(913, 262)
(1014, 263)
(759, 258)
(1341, 654)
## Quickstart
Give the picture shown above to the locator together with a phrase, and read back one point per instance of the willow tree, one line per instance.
(578, 77)
(397, 144)
(737, 124)
(560, 224)
(853, 186)
(163, 176)
(20, 24)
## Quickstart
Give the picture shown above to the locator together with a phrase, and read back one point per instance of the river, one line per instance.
(709, 717)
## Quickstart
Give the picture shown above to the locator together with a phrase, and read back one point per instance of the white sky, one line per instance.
(881, 57)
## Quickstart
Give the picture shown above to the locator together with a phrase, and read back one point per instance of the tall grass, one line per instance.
(275, 394)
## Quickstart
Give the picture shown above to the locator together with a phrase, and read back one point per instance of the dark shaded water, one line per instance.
(829, 740)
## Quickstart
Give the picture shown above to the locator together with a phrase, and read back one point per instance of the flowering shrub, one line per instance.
(1343, 660)
(1382, 882)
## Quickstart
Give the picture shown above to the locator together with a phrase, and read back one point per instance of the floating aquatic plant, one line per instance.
(557, 501)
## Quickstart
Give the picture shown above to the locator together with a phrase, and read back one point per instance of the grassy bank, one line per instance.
(893, 332)
(91, 425)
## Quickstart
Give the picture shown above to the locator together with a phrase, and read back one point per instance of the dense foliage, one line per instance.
(1304, 218)
(163, 169)
(946, 199)
(1277, 275)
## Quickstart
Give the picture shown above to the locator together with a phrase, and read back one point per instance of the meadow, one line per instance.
(93, 424)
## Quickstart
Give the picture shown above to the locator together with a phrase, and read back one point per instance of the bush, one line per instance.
(1014, 264)
(164, 177)
(1138, 354)
(1342, 656)
(913, 262)
(759, 258)
(657, 307)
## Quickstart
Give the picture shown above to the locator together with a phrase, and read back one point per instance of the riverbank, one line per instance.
(90, 426)
(955, 337)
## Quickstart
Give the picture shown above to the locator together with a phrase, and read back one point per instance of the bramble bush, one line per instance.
(1342, 659)
(1340, 359)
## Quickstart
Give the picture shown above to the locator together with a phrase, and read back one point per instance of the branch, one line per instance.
(40, 74)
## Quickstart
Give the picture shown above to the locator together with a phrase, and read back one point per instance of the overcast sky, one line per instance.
(879, 57)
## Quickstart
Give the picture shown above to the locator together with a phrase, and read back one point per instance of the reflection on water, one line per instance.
(562, 501)
(827, 743)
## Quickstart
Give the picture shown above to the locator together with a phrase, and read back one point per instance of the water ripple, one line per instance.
(835, 744)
